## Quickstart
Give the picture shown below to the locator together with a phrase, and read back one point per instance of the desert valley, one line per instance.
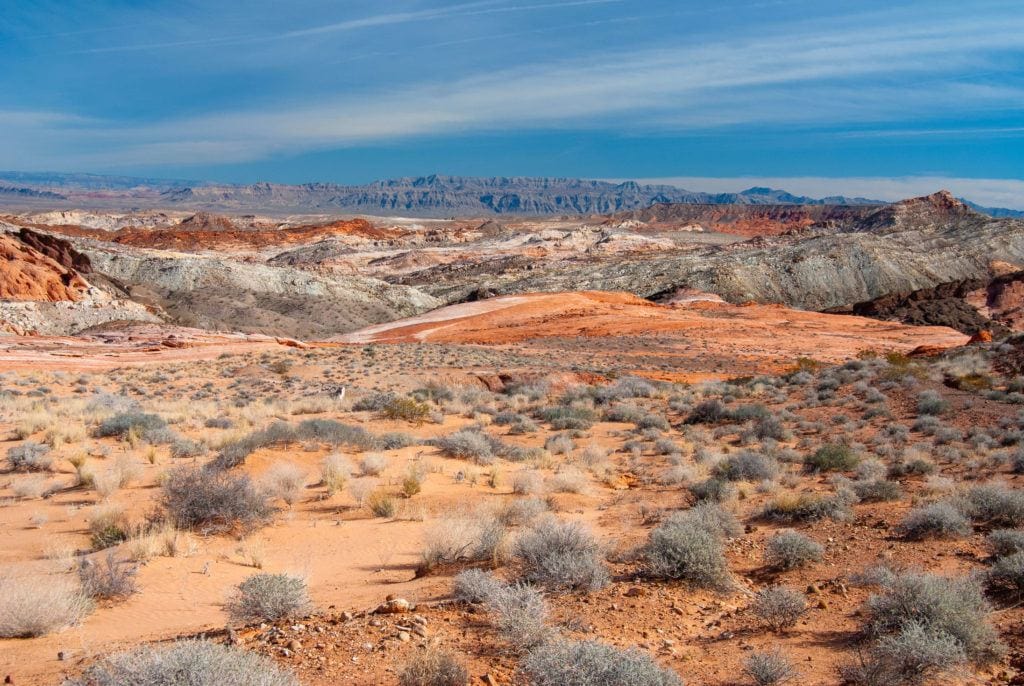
(713, 442)
(511, 343)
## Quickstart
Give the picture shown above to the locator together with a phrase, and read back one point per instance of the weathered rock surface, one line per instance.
(902, 248)
(30, 273)
(223, 294)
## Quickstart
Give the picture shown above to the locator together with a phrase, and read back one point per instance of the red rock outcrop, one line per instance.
(28, 274)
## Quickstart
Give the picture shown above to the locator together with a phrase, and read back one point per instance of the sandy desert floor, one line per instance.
(627, 460)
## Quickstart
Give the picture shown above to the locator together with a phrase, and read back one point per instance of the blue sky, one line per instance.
(869, 97)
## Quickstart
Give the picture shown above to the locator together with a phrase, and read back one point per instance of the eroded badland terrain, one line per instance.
(709, 443)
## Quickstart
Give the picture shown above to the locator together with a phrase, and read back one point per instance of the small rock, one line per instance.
(404, 636)
(294, 645)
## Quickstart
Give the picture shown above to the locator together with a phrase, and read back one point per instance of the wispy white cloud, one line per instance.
(811, 73)
(469, 9)
(988, 192)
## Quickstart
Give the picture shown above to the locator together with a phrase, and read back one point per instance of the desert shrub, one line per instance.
(917, 466)
(475, 586)
(285, 480)
(335, 471)
(708, 412)
(877, 490)
(1003, 542)
(235, 452)
(381, 504)
(560, 556)
(769, 668)
(184, 448)
(433, 667)
(29, 457)
(683, 548)
(994, 505)
(559, 444)
(712, 517)
(746, 466)
(765, 428)
(107, 578)
(33, 606)
(219, 423)
(778, 607)
(108, 526)
(569, 481)
(393, 440)
(831, 458)
(589, 663)
(938, 520)
(406, 409)
(519, 613)
(335, 433)
(931, 403)
(623, 412)
(193, 662)
(467, 445)
(651, 420)
(268, 598)
(712, 490)
(791, 549)
(212, 500)
(457, 538)
(120, 425)
(939, 605)
(522, 511)
(373, 465)
(374, 402)
(564, 417)
(626, 387)
(806, 507)
(412, 482)
(1007, 573)
(912, 656)
(527, 482)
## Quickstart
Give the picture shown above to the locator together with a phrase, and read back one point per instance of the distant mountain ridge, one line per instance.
(423, 196)
(439, 196)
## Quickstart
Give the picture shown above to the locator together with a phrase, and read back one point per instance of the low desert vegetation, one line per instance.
(433, 667)
(779, 607)
(684, 488)
(268, 598)
(197, 663)
(688, 547)
(790, 549)
(770, 668)
(560, 556)
(590, 663)
(33, 606)
(213, 500)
